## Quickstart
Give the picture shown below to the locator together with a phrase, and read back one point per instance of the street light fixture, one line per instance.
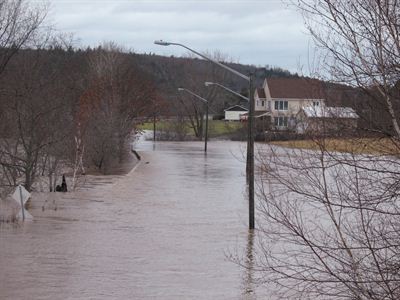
(208, 83)
(205, 101)
(250, 143)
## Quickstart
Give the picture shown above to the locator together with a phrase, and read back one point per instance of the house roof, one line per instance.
(296, 88)
(261, 93)
(236, 108)
(330, 112)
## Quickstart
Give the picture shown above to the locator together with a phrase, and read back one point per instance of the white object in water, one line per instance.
(21, 196)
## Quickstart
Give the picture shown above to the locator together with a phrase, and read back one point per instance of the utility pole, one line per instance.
(154, 127)
(250, 145)
(206, 137)
(250, 153)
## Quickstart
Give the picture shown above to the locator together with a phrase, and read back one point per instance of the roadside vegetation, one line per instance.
(62, 111)
(363, 145)
(216, 128)
(329, 218)
(66, 110)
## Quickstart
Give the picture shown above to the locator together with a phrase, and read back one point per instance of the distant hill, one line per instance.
(169, 73)
(151, 64)
(166, 73)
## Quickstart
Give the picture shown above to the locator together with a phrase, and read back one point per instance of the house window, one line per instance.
(262, 103)
(315, 103)
(281, 121)
(281, 105)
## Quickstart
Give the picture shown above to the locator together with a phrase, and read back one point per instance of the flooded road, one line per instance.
(163, 231)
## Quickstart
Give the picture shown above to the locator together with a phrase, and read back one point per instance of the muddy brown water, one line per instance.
(163, 231)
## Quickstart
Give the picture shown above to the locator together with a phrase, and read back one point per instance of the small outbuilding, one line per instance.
(234, 113)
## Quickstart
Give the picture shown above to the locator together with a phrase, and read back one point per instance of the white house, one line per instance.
(283, 98)
(234, 113)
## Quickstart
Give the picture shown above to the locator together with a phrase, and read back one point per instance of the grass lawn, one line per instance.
(220, 127)
(215, 127)
(160, 125)
(376, 146)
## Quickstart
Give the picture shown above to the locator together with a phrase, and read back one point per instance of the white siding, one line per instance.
(233, 115)
(294, 106)
(259, 104)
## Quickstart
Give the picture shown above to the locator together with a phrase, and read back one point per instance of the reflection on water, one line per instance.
(249, 287)
(160, 232)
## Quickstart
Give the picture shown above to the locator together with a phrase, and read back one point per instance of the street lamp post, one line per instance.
(154, 127)
(250, 143)
(208, 83)
(206, 102)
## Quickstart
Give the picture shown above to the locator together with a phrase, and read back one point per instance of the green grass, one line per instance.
(219, 127)
(216, 128)
(149, 126)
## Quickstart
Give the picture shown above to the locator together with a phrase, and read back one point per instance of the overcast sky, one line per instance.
(260, 32)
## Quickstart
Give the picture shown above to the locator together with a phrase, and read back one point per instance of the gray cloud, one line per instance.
(254, 32)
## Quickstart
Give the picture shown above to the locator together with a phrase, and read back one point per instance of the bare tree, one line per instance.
(191, 73)
(119, 96)
(38, 117)
(195, 110)
(330, 220)
(20, 23)
(329, 227)
(360, 46)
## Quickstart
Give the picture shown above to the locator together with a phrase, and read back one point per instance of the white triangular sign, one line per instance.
(21, 191)
(26, 214)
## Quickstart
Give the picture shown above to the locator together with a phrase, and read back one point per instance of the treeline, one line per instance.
(158, 65)
(66, 110)
(62, 110)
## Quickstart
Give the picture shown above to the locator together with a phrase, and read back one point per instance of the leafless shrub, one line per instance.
(330, 220)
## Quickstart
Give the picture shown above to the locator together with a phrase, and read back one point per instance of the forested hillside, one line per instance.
(69, 107)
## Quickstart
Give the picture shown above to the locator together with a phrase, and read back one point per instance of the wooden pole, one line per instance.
(251, 154)
(22, 202)
(154, 127)
(206, 137)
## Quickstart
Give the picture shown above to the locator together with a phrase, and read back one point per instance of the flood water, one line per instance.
(163, 231)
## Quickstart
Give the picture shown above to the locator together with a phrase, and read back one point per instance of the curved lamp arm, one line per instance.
(207, 83)
(163, 43)
(193, 94)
